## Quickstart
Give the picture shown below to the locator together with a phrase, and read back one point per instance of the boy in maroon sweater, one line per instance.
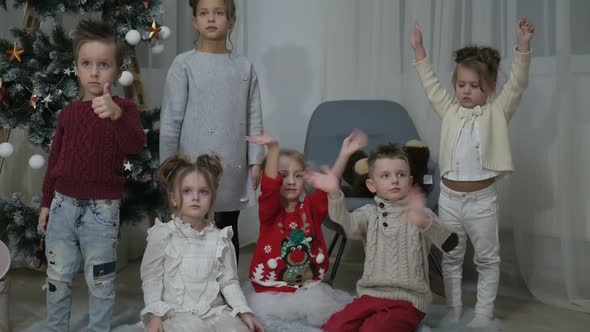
(83, 185)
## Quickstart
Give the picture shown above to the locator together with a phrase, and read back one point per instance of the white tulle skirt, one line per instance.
(311, 304)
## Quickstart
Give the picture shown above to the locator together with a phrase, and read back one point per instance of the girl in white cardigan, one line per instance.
(474, 151)
(189, 270)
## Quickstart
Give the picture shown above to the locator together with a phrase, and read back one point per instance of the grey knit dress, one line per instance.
(211, 103)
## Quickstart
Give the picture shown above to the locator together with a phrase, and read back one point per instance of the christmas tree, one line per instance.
(37, 79)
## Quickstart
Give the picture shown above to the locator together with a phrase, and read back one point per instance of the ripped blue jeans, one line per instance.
(81, 231)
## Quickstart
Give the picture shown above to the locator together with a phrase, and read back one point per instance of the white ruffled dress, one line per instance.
(187, 271)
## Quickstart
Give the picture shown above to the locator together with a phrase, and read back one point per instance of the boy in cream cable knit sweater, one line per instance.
(397, 231)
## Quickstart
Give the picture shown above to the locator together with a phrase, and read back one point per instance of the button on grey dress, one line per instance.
(211, 103)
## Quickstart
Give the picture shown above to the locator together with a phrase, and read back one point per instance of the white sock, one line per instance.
(453, 314)
(480, 321)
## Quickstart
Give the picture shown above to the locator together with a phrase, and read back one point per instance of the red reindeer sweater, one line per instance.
(291, 249)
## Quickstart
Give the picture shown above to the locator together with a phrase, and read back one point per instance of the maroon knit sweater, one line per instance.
(87, 153)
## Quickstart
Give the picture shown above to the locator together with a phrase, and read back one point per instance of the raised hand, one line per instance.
(255, 175)
(354, 142)
(104, 106)
(272, 158)
(326, 181)
(416, 205)
(416, 36)
(524, 33)
(524, 30)
(264, 139)
(417, 43)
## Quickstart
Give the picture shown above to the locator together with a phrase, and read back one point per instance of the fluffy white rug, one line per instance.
(125, 319)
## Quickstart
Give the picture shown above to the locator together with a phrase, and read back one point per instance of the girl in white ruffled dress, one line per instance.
(189, 271)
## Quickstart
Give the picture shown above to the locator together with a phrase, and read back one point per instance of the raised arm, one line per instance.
(269, 202)
(417, 43)
(271, 167)
(354, 142)
(440, 99)
(354, 224)
(512, 91)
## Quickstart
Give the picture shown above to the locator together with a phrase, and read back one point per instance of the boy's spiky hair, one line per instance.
(93, 30)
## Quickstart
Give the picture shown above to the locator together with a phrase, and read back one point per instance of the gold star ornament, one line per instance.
(154, 30)
(15, 53)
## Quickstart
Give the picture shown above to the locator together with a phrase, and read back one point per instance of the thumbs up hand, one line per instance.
(104, 106)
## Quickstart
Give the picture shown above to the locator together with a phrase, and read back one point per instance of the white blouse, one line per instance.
(466, 161)
(184, 270)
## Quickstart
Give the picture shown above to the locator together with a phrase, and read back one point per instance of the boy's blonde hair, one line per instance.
(386, 151)
(91, 30)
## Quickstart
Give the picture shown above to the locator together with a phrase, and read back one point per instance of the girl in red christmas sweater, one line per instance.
(291, 259)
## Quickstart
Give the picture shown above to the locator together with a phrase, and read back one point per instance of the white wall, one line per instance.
(288, 59)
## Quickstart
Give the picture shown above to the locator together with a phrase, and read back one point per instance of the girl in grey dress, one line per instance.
(211, 103)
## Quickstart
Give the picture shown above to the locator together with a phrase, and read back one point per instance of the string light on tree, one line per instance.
(33, 101)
